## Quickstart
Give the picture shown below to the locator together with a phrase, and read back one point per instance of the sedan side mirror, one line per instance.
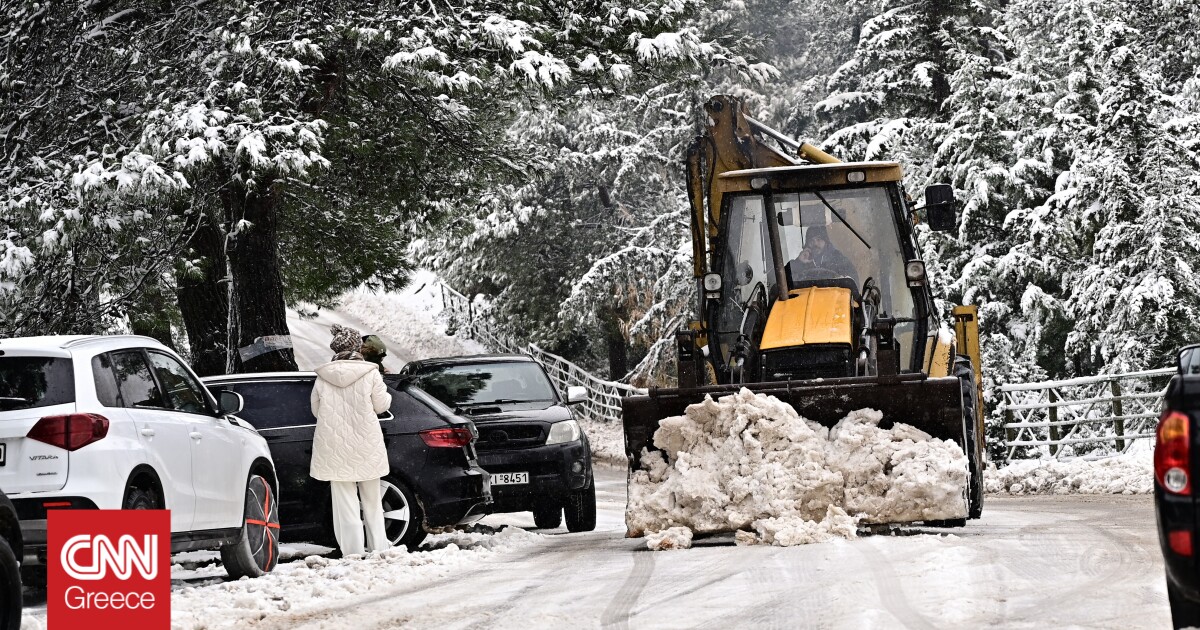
(939, 207)
(230, 403)
(576, 394)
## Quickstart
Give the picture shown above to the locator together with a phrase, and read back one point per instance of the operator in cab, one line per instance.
(820, 253)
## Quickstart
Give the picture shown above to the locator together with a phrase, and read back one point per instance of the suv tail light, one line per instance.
(456, 437)
(72, 432)
(1171, 453)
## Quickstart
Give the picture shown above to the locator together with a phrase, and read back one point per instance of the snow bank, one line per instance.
(411, 317)
(316, 583)
(1130, 473)
(607, 441)
(750, 462)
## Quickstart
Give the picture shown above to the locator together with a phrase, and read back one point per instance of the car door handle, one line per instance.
(196, 435)
(148, 432)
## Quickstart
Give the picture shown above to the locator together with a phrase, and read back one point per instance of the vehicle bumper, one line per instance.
(471, 499)
(31, 511)
(1175, 513)
(555, 471)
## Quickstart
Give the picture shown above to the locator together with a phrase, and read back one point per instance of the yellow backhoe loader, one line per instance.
(810, 288)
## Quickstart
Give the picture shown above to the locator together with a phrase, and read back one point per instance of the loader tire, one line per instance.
(970, 399)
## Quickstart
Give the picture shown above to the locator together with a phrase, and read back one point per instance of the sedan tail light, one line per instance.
(456, 437)
(1171, 453)
(72, 432)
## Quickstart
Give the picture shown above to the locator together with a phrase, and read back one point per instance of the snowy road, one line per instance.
(1032, 562)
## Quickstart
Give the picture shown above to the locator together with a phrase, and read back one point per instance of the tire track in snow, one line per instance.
(889, 588)
(616, 614)
(794, 600)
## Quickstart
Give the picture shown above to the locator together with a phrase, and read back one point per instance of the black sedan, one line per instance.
(434, 482)
(1175, 466)
(10, 568)
(530, 443)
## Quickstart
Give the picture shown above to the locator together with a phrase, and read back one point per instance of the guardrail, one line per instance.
(604, 397)
(1097, 415)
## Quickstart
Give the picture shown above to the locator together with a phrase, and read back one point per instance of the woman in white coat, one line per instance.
(348, 449)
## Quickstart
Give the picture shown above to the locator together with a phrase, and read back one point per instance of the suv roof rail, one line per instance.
(94, 338)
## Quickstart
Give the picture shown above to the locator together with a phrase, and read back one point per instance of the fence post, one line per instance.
(1053, 418)
(1118, 411)
(1010, 434)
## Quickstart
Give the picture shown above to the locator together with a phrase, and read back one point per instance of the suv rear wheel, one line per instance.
(402, 515)
(10, 588)
(547, 516)
(256, 551)
(581, 510)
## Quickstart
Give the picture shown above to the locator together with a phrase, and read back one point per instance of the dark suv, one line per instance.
(529, 441)
(434, 481)
(1175, 468)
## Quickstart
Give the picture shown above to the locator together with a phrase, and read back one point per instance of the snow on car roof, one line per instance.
(54, 343)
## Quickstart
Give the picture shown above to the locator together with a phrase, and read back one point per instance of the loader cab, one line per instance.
(842, 235)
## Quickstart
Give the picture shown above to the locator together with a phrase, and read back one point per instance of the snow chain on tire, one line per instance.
(257, 550)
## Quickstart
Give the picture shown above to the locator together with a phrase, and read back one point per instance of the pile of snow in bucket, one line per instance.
(749, 462)
(1123, 474)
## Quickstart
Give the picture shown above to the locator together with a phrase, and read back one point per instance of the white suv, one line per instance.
(120, 422)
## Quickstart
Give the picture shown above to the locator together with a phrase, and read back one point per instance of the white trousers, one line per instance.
(348, 516)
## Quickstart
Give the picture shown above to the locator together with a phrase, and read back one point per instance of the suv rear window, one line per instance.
(31, 382)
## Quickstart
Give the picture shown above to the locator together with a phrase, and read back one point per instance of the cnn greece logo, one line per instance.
(121, 558)
(111, 569)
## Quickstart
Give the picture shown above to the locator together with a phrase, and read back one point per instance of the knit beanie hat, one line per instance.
(345, 339)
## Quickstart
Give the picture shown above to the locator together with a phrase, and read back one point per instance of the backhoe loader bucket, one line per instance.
(933, 405)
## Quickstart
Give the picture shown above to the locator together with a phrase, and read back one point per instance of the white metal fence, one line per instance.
(1097, 415)
(604, 397)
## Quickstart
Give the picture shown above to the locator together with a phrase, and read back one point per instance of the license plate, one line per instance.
(3, 453)
(509, 479)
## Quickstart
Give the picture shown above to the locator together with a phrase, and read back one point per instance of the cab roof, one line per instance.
(811, 176)
(472, 359)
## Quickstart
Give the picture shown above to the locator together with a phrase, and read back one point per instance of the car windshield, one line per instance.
(486, 383)
(30, 382)
(848, 235)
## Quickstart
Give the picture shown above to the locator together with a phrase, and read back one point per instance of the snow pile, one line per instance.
(1129, 473)
(670, 538)
(750, 462)
(411, 317)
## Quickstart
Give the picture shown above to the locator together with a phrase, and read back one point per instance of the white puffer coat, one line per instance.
(348, 442)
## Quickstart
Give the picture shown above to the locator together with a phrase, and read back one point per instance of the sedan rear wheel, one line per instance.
(401, 514)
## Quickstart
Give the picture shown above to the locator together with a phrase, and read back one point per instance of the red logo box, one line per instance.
(108, 569)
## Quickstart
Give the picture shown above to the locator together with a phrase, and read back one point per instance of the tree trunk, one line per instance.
(259, 310)
(203, 298)
(618, 347)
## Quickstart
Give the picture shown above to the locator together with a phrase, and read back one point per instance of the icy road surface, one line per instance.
(1031, 562)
